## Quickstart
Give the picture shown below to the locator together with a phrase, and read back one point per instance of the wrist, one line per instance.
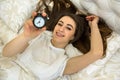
(24, 38)
(94, 26)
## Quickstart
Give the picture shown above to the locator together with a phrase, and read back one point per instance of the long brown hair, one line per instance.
(83, 43)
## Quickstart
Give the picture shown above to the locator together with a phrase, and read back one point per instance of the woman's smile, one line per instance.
(59, 34)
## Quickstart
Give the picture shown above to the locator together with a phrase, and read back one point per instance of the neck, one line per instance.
(58, 45)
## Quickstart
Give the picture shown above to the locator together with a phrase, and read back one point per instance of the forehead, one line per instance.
(68, 20)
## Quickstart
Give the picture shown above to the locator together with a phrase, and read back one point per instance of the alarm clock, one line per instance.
(39, 21)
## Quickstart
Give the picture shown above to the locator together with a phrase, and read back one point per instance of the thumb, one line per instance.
(34, 14)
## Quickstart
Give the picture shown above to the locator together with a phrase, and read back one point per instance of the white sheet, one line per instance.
(107, 68)
(106, 9)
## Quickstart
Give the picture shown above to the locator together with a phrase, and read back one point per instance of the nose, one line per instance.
(61, 29)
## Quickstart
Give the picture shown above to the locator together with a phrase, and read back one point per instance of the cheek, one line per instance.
(71, 36)
(56, 27)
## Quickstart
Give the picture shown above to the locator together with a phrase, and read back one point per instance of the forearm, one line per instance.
(15, 46)
(20, 43)
(78, 63)
(96, 40)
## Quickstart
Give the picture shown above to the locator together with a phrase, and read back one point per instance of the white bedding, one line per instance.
(106, 9)
(13, 13)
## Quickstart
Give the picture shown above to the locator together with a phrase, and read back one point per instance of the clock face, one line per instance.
(39, 21)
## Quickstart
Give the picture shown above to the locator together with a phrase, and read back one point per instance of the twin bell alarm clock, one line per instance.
(39, 21)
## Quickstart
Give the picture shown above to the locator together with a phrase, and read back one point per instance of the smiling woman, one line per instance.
(43, 54)
(14, 12)
(64, 30)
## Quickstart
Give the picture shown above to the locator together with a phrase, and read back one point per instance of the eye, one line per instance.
(69, 27)
(60, 24)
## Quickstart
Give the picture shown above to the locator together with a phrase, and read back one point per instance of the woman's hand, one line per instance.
(30, 31)
(96, 39)
(93, 19)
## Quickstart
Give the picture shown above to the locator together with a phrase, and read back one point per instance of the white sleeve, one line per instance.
(71, 51)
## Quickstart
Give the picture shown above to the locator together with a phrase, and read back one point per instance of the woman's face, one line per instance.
(64, 30)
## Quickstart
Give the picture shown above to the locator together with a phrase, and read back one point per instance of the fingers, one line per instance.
(44, 13)
(29, 22)
(34, 14)
(44, 28)
(92, 18)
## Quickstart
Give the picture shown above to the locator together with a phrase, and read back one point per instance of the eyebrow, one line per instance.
(67, 24)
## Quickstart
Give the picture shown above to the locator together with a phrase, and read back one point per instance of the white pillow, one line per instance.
(108, 10)
(15, 12)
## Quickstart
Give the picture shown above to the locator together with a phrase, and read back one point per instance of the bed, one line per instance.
(13, 14)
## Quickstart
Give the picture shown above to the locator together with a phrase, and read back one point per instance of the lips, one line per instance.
(59, 34)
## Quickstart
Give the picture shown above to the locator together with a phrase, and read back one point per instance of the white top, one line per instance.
(43, 60)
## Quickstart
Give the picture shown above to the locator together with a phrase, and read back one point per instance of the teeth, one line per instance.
(59, 34)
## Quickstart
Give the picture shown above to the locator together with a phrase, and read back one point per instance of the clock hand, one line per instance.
(38, 22)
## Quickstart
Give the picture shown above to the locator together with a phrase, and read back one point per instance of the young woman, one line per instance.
(42, 55)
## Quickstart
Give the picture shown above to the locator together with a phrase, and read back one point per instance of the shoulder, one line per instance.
(71, 51)
(46, 35)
